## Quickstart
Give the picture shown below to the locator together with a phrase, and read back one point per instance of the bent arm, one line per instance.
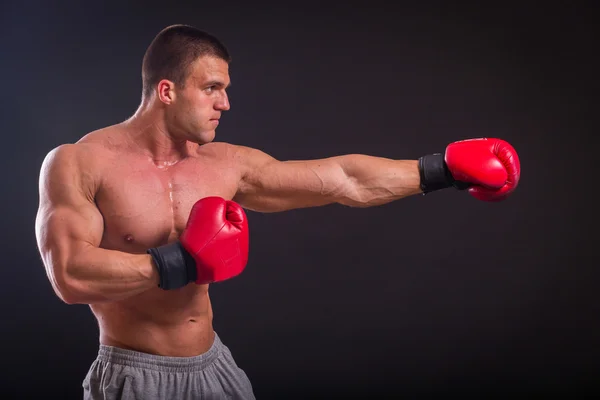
(69, 229)
(355, 180)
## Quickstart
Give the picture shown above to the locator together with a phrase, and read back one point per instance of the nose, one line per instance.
(222, 103)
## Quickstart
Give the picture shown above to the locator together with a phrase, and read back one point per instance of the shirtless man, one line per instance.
(137, 219)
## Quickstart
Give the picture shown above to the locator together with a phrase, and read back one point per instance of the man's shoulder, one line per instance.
(244, 159)
(66, 154)
(81, 154)
(102, 138)
(224, 150)
(74, 154)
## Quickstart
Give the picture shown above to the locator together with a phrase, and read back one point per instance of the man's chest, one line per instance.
(146, 206)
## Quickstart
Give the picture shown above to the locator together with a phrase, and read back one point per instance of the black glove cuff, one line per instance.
(434, 173)
(176, 267)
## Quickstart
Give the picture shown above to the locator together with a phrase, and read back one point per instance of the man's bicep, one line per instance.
(67, 218)
(270, 185)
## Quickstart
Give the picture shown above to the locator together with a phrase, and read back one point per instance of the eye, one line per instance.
(209, 89)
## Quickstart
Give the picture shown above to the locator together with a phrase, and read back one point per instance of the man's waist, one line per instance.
(192, 336)
(156, 360)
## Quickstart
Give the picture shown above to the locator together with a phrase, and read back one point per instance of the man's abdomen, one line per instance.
(175, 323)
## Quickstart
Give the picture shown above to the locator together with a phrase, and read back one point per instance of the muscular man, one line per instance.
(138, 218)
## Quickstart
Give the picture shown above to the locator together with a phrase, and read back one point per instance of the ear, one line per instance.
(166, 91)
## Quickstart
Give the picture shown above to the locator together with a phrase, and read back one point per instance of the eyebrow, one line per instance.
(216, 83)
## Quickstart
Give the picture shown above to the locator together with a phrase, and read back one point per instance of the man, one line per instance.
(137, 219)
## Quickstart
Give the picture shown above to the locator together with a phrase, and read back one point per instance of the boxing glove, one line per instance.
(489, 168)
(213, 246)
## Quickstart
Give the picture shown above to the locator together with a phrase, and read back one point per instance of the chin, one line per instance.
(205, 137)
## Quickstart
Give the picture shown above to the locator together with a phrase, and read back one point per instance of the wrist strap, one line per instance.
(176, 267)
(434, 173)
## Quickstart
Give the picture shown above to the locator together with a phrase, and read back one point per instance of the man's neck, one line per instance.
(149, 133)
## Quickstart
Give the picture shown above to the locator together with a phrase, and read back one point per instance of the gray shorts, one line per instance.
(125, 374)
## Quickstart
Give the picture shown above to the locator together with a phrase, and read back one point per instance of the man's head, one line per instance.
(187, 71)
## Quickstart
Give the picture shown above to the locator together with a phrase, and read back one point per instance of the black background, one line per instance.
(431, 295)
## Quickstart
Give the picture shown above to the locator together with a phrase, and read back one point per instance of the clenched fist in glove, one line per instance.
(488, 168)
(213, 247)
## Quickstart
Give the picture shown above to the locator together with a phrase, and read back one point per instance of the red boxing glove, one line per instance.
(490, 166)
(213, 246)
(216, 236)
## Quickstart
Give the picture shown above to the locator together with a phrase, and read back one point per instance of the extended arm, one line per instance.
(488, 168)
(69, 229)
(355, 180)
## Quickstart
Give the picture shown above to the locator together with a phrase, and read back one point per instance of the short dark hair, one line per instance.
(173, 50)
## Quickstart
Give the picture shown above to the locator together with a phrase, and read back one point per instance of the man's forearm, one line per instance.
(375, 180)
(96, 275)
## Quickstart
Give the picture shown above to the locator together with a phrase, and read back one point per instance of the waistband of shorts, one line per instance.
(137, 359)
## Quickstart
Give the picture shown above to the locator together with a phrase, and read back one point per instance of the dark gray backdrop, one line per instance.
(429, 295)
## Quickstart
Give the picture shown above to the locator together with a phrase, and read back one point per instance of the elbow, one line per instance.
(353, 201)
(66, 291)
(351, 192)
(362, 199)
(64, 294)
(72, 294)
(352, 196)
(66, 287)
(349, 202)
(362, 194)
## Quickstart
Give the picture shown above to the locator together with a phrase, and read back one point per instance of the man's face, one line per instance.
(201, 101)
